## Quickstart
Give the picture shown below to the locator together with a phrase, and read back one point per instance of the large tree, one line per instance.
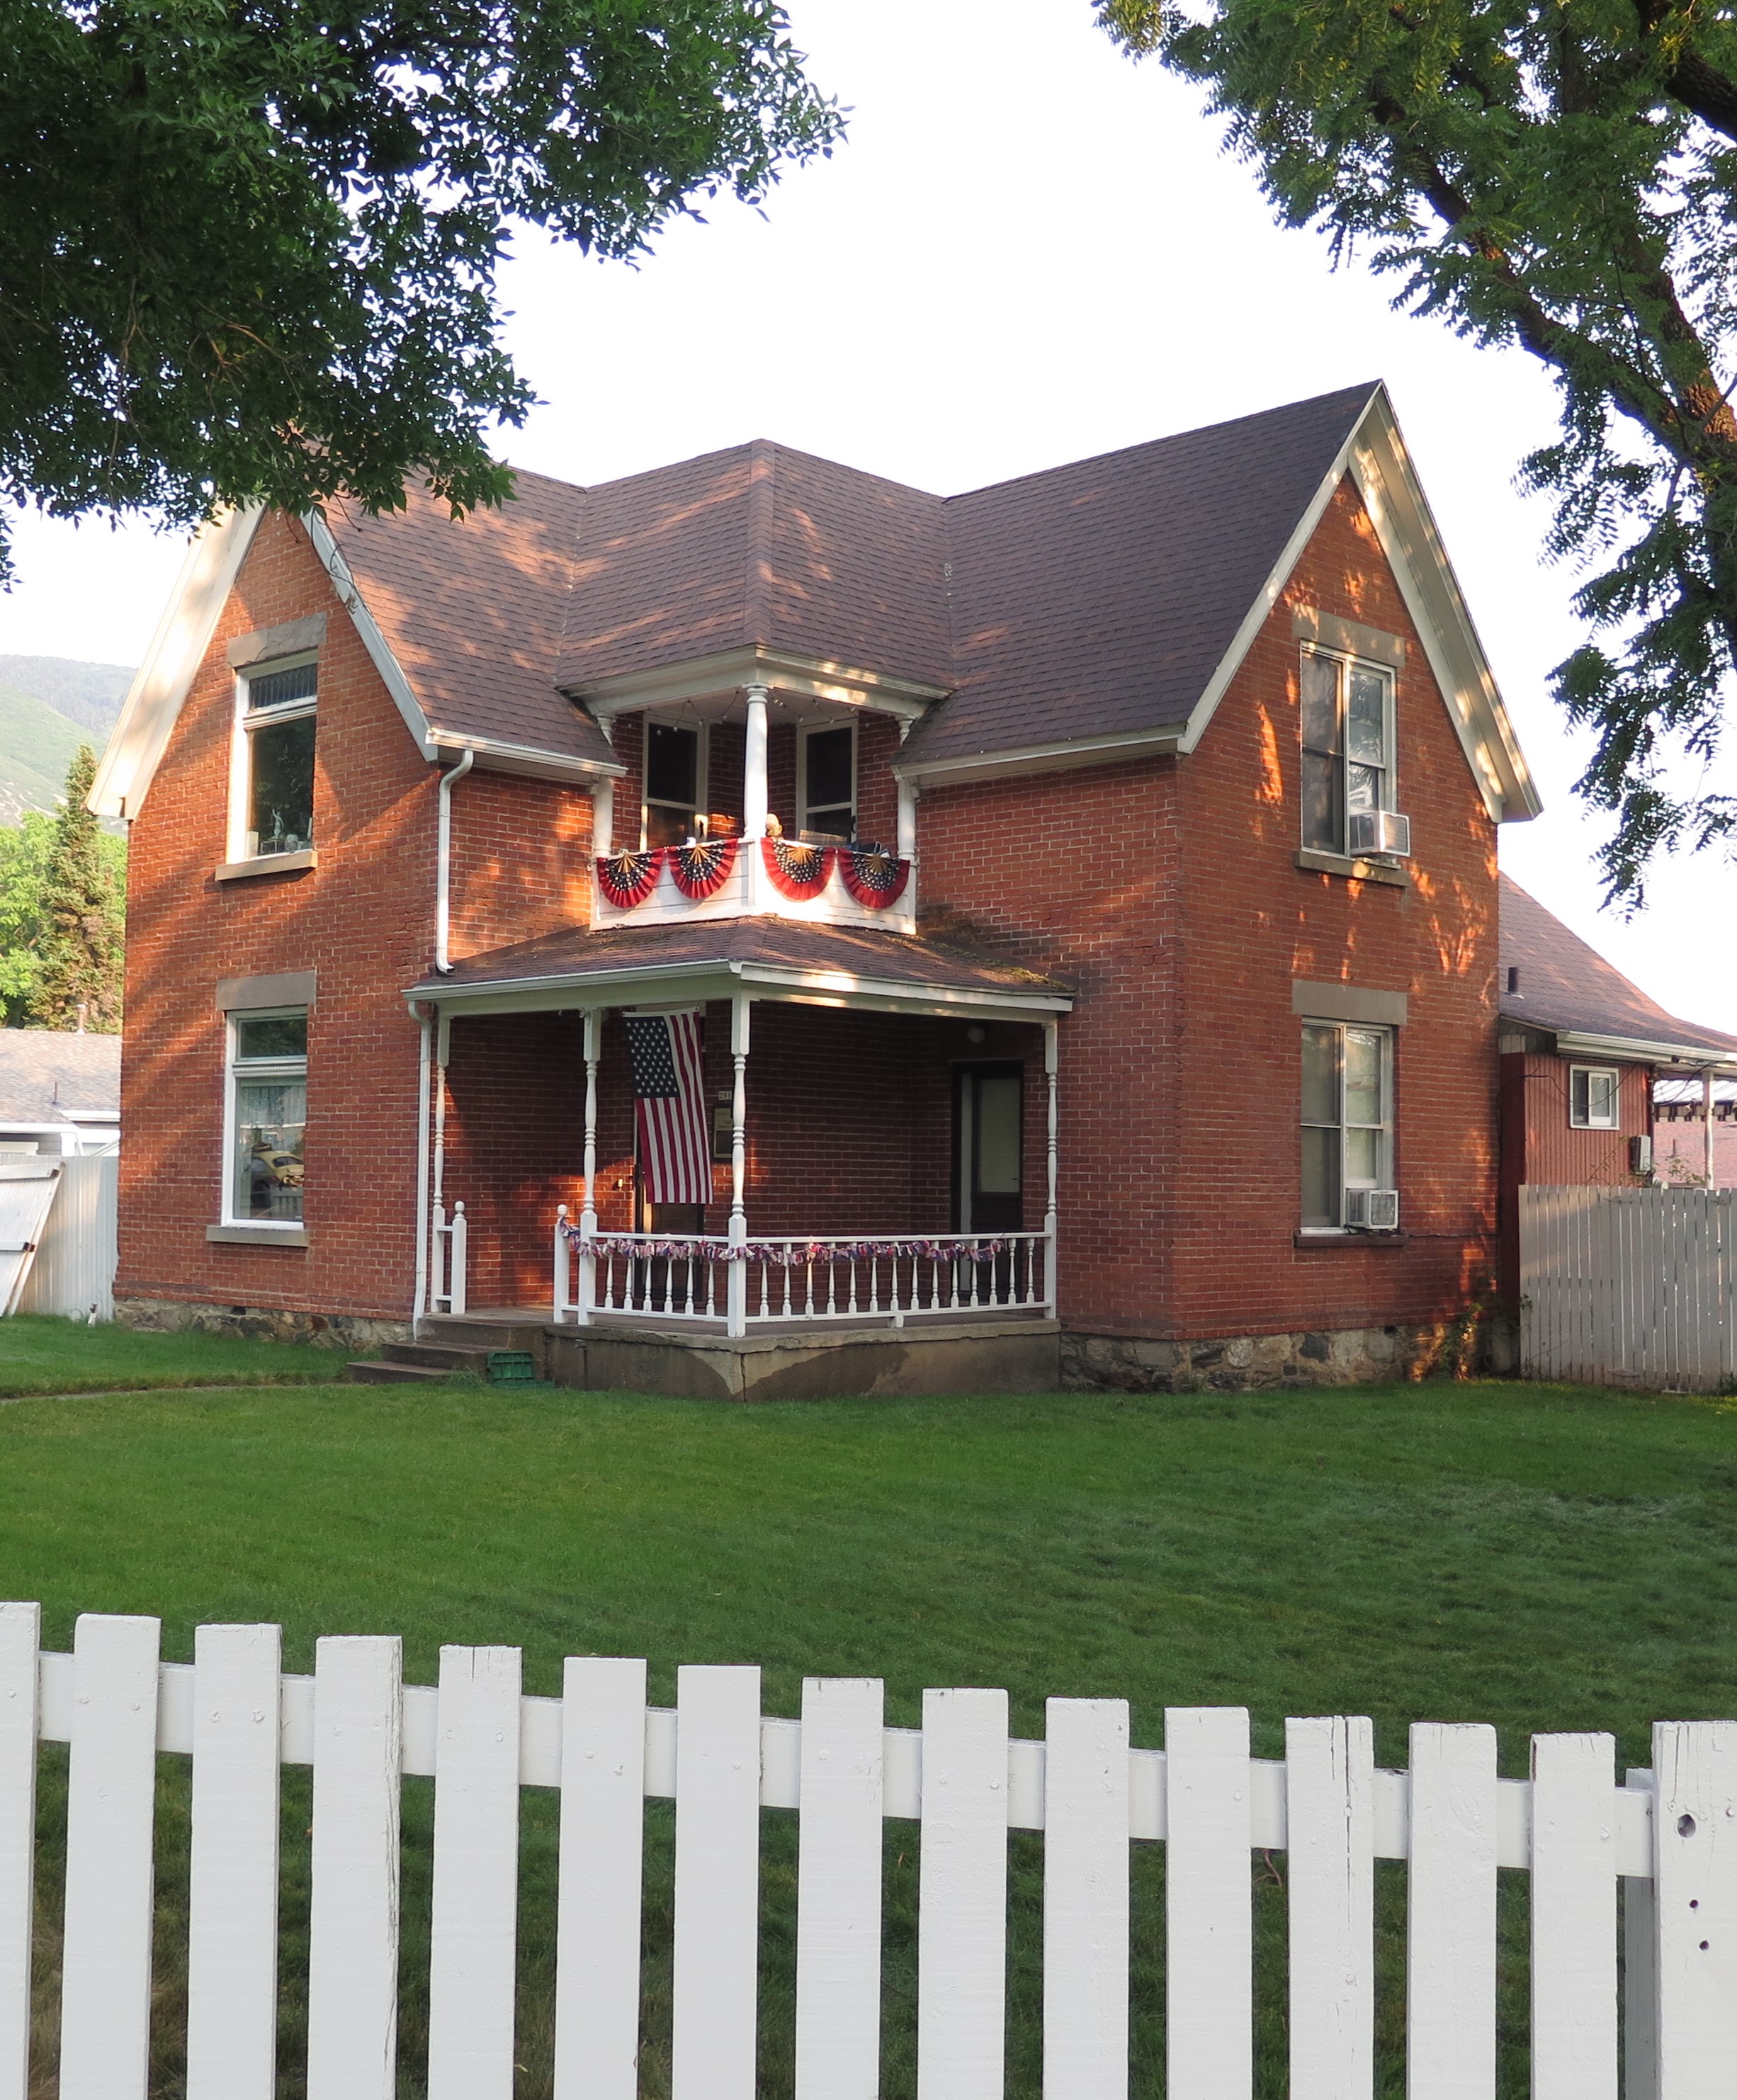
(80, 947)
(1561, 174)
(249, 248)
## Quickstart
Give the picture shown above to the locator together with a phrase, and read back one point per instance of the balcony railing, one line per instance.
(795, 1281)
(737, 878)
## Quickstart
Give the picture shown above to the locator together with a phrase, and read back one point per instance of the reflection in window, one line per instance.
(268, 1116)
(1347, 1117)
(829, 782)
(279, 725)
(672, 784)
(1346, 759)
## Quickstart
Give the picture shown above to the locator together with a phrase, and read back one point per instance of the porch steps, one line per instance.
(489, 1351)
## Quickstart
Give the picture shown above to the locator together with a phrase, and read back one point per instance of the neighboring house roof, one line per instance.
(48, 1076)
(1057, 618)
(769, 952)
(1565, 986)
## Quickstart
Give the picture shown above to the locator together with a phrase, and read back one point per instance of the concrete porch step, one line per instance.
(443, 1355)
(395, 1373)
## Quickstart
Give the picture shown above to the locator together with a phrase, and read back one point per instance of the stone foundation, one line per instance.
(342, 1331)
(1255, 1363)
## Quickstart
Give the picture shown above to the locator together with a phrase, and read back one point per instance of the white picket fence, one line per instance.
(1669, 1840)
(1630, 1286)
(74, 1272)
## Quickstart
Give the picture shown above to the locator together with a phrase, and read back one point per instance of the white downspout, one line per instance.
(450, 780)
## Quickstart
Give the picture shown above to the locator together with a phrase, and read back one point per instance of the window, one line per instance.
(828, 788)
(674, 781)
(267, 1116)
(277, 754)
(1347, 1118)
(1347, 744)
(1592, 1095)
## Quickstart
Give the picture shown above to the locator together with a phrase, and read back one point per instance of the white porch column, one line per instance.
(587, 1294)
(602, 818)
(753, 765)
(1706, 1122)
(736, 1283)
(907, 819)
(1051, 1054)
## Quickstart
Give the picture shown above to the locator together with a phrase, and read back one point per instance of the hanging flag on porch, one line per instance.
(675, 1139)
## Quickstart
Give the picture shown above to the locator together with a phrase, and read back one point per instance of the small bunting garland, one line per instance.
(701, 871)
(627, 878)
(872, 876)
(780, 1254)
(798, 872)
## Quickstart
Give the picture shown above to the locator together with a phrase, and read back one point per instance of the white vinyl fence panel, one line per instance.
(73, 1270)
(1630, 1286)
(1667, 2030)
(27, 1189)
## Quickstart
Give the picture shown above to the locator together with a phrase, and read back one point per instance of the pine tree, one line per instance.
(83, 914)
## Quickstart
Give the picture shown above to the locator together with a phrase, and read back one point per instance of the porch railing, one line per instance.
(793, 1280)
(446, 1285)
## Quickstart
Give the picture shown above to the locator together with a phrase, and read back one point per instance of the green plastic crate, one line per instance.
(513, 1367)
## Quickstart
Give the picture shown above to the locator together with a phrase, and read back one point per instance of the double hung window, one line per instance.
(267, 1116)
(1593, 1095)
(1347, 744)
(1347, 1119)
(674, 783)
(277, 754)
(828, 782)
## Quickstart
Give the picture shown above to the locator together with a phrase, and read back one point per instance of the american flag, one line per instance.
(675, 1148)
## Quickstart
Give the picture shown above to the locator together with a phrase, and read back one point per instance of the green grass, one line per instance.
(47, 1356)
(1534, 1557)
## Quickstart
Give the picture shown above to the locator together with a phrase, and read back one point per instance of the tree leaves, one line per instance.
(1563, 176)
(248, 251)
(63, 892)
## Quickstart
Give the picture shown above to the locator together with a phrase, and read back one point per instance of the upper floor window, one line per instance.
(826, 785)
(1347, 1120)
(674, 783)
(1592, 1097)
(267, 1116)
(1347, 744)
(277, 760)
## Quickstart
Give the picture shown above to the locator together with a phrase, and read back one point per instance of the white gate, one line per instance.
(74, 1269)
(1630, 1286)
(1660, 2024)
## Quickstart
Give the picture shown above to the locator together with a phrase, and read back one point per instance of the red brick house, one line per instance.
(1600, 1086)
(1114, 1027)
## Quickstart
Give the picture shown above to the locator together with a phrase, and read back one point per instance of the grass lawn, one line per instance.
(42, 1355)
(1535, 1557)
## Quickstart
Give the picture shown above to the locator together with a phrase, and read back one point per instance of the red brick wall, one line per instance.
(363, 920)
(1539, 1146)
(1169, 892)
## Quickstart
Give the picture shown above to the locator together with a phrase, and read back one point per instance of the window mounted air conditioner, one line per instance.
(1380, 832)
(1373, 1209)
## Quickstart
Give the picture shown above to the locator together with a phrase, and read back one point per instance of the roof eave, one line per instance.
(1584, 1042)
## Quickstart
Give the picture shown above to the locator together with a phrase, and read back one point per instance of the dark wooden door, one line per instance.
(989, 1152)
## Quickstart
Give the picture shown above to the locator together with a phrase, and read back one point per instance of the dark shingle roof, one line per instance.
(1567, 987)
(775, 943)
(46, 1075)
(1088, 600)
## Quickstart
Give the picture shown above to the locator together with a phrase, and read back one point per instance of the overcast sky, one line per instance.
(1027, 251)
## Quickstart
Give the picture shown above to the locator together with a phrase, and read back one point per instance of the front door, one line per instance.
(988, 1120)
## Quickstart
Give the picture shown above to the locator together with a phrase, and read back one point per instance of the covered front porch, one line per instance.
(881, 1121)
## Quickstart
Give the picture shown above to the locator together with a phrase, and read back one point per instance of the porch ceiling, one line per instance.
(770, 958)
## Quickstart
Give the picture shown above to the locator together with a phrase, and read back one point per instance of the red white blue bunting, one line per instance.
(782, 1254)
(627, 878)
(700, 871)
(796, 872)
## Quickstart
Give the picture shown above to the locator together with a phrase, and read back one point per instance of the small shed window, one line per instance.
(1594, 1091)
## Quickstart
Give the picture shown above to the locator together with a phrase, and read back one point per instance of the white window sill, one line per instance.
(1358, 870)
(1342, 1236)
(292, 1236)
(237, 870)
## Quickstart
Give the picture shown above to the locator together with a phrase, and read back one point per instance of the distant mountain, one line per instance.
(49, 705)
(88, 693)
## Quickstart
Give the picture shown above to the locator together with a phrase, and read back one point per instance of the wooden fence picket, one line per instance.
(1085, 1820)
(1209, 1921)
(1329, 1769)
(1640, 1971)
(474, 1929)
(1451, 1914)
(20, 1635)
(962, 1929)
(1574, 2029)
(105, 1989)
(717, 1883)
(838, 1889)
(231, 1952)
(352, 1968)
(1694, 1888)
(603, 1832)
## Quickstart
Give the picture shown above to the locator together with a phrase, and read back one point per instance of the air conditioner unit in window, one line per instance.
(1373, 1209)
(1380, 832)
